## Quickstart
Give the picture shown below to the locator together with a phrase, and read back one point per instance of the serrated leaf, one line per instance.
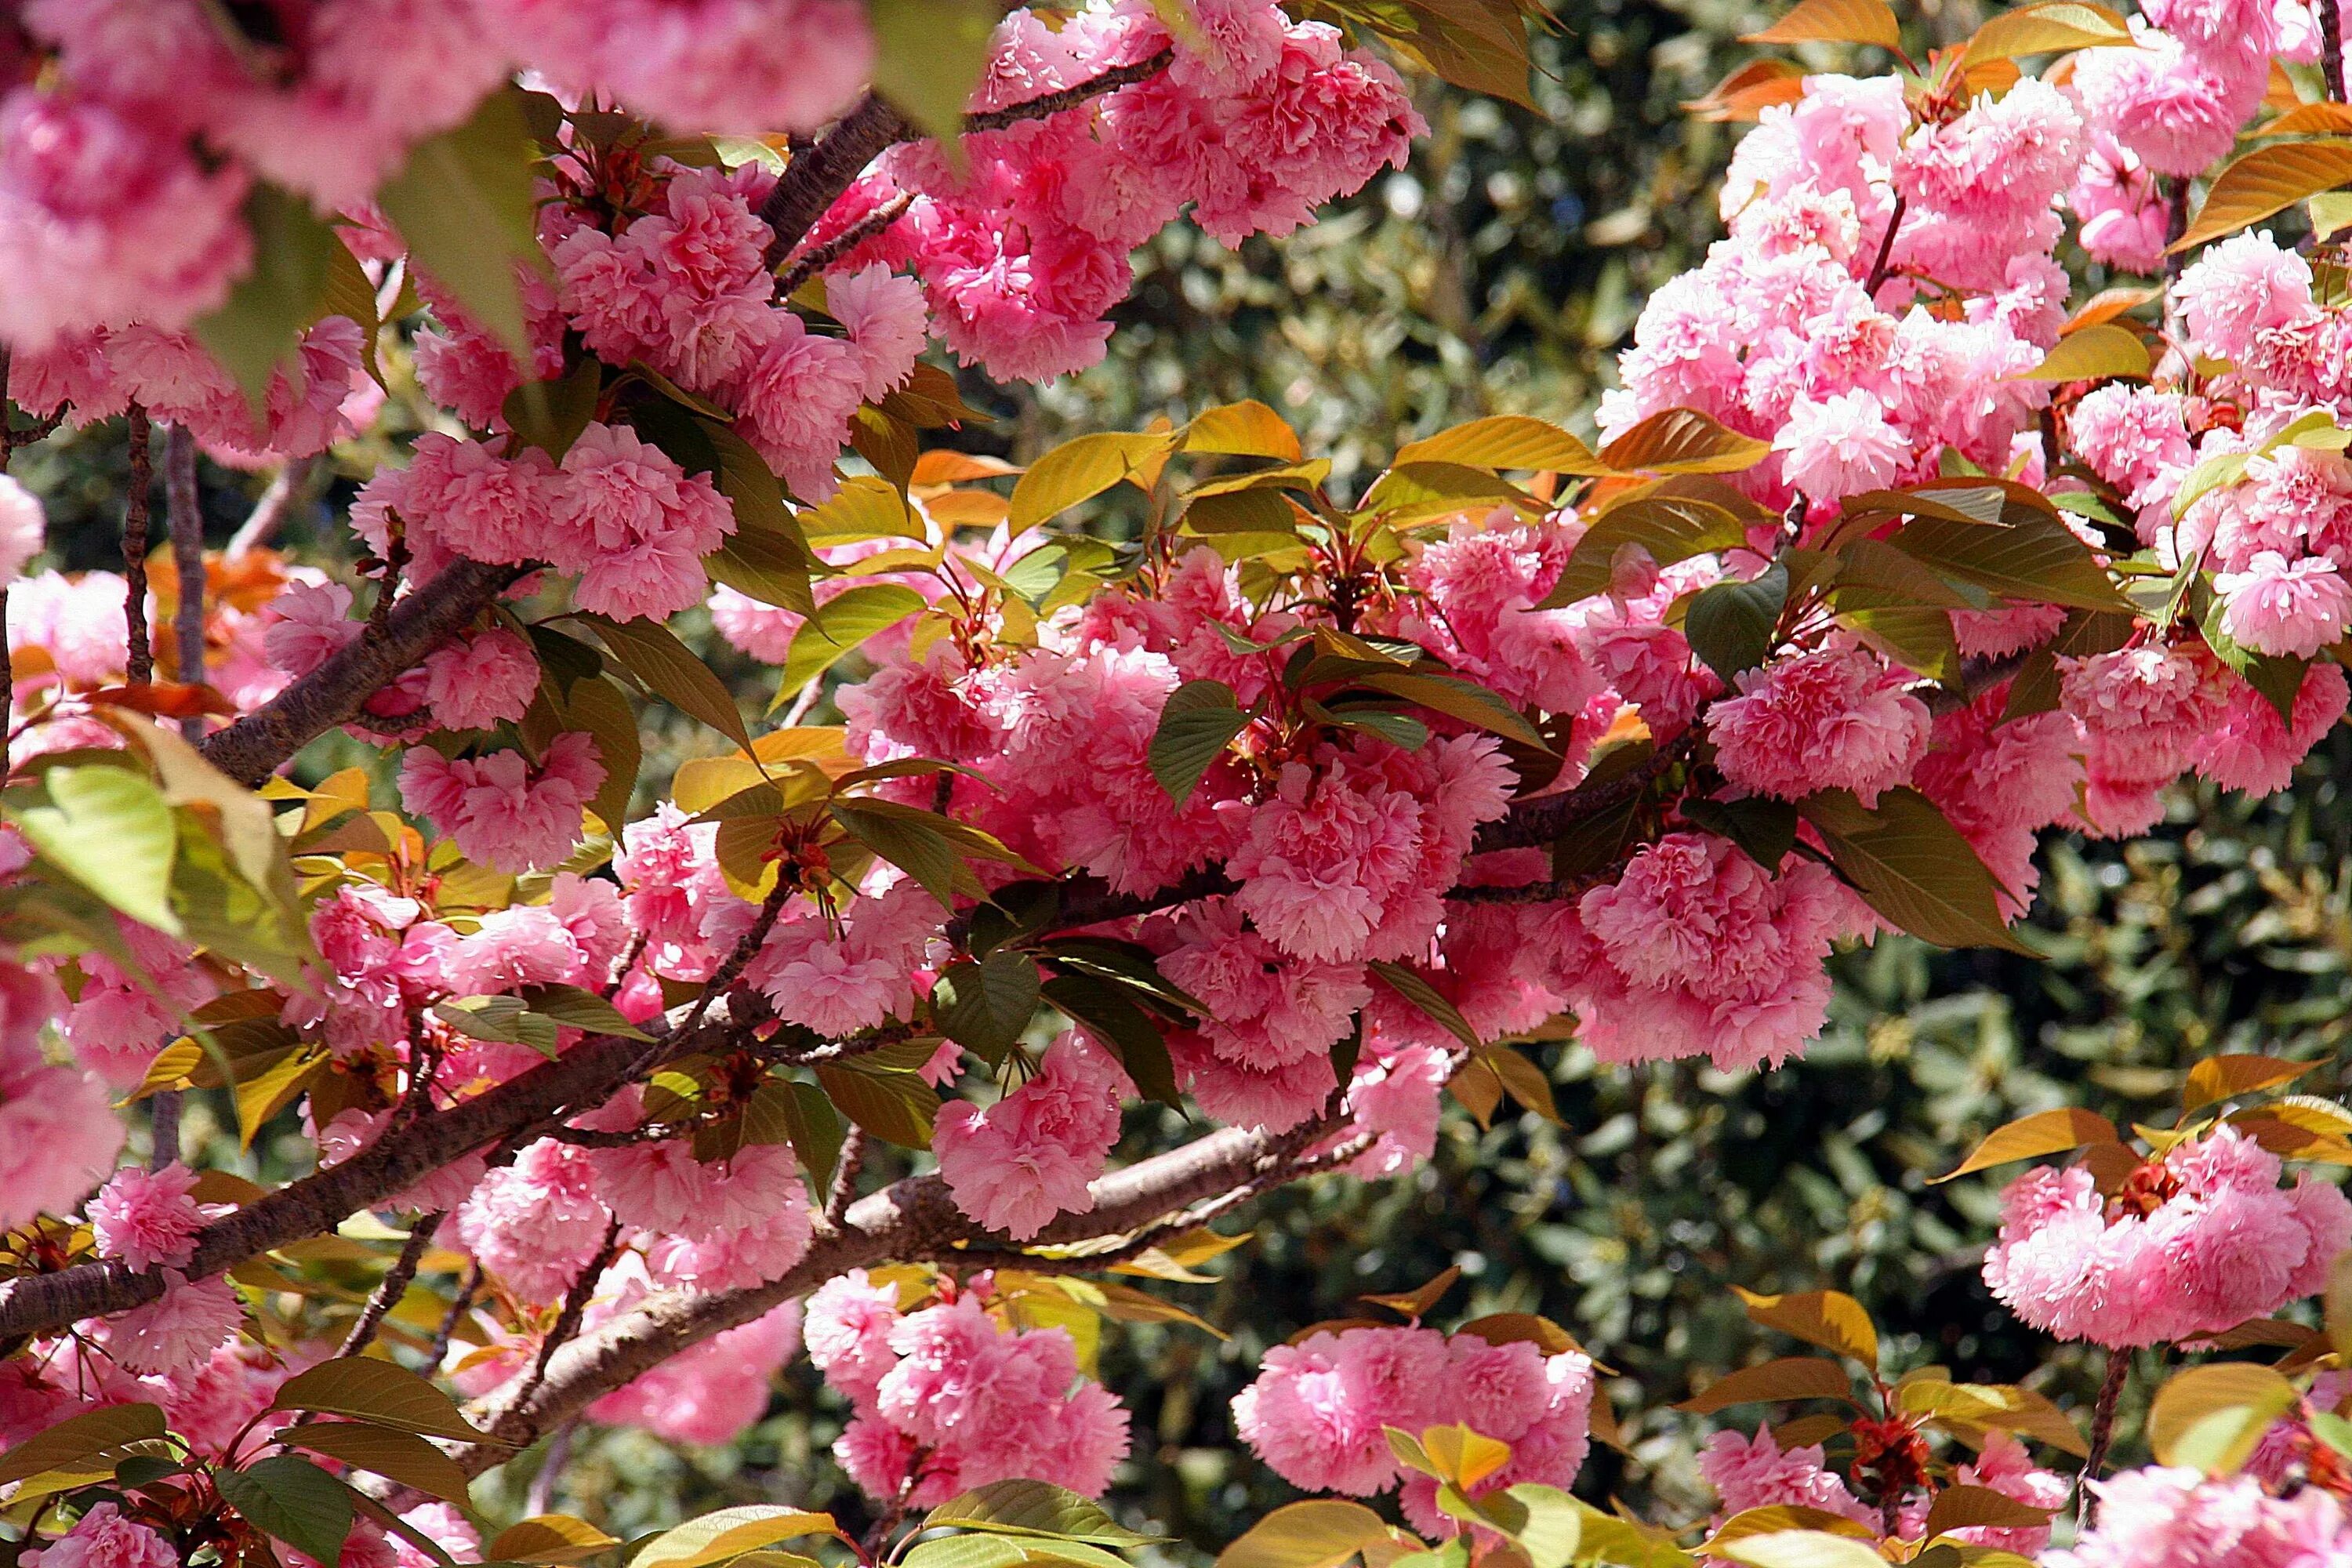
(548, 1538)
(1669, 528)
(292, 1500)
(1913, 867)
(1107, 1009)
(2047, 29)
(1731, 625)
(111, 831)
(1425, 997)
(1829, 1318)
(396, 1456)
(2209, 1417)
(729, 1533)
(1790, 1377)
(1457, 699)
(464, 206)
(2027, 555)
(259, 326)
(1321, 1532)
(1969, 1507)
(582, 1009)
(2227, 1076)
(896, 1107)
(841, 625)
(1801, 1549)
(2265, 180)
(550, 415)
(1998, 1407)
(368, 1390)
(929, 56)
(1505, 441)
(2093, 353)
(84, 1437)
(2043, 1133)
(985, 1006)
(1035, 1507)
(1684, 440)
(1199, 722)
(652, 652)
(816, 1127)
(1080, 469)
(1833, 22)
(1248, 429)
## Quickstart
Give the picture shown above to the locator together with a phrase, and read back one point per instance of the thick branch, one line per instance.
(258, 744)
(583, 1076)
(911, 1220)
(184, 506)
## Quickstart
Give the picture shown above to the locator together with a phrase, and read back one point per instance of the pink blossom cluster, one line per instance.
(2159, 1518)
(1759, 1472)
(948, 1398)
(1320, 1410)
(1028, 1158)
(1258, 122)
(2197, 1242)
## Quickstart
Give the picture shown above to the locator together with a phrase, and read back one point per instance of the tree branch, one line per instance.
(138, 648)
(814, 179)
(583, 1076)
(259, 743)
(185, 508)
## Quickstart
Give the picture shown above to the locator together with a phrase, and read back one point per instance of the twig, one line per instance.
(163, 1129)
(541, 1495)
(2102, 1429)
(459, 1305)
(813, 179)
(139, 655)
(1885, 248)
(185, 508)
(575, 1307)
(2331, 48)
(844, 1177)
(392, 1287)
(277, 500)
(817, 258)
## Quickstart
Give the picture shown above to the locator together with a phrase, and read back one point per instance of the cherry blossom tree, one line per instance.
(1163, 771)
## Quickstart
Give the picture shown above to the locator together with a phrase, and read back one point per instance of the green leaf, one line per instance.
(1457, 699)
(653, 654)
(729, 1533)
(929, 56)
(1732, 625)
(910, 840)
(987, 1551)
(601, 707)
(1505, 441)
(1109, 1010)
(259, 326)
(292, 1500)
(550, 414)
(1766, 829)
(896, 1107)
(816, 1130)
(1425, 996)
(111, 831)
(2027, 555)
(1682, 441)
(985, 1006)
(1255, 510)
(464, 206)
(2210, 1416)
(1321, 1532)
(548, 1538)
(1913, 867)
(83, 1436)
(1550, 1526)
(768, 548)
(841, 625)
(1670, 528)
(1200, 720)
(506, 1020)
(1247, 428)
(582, 1009)
(1035, 1507)
(1079, 470)
(396, 1456)
(368, 1390)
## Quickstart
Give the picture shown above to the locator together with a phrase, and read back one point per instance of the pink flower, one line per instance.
(537, 1223)
(102, 1538)
(634, 524)
(2289, 608)
(486, 680)
(176, 1331)
(150, 1218)
(1318, 1412)
(1839, 446)
(2156, 1518)
(22, 529)
(796, 402)
(2240, 288)
(1028, 1158)
(1756, 1472)
(709, 1393)
(885, 321)
(59, 1134)
(848, 1332)
(1835, 718)
(502, 812)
